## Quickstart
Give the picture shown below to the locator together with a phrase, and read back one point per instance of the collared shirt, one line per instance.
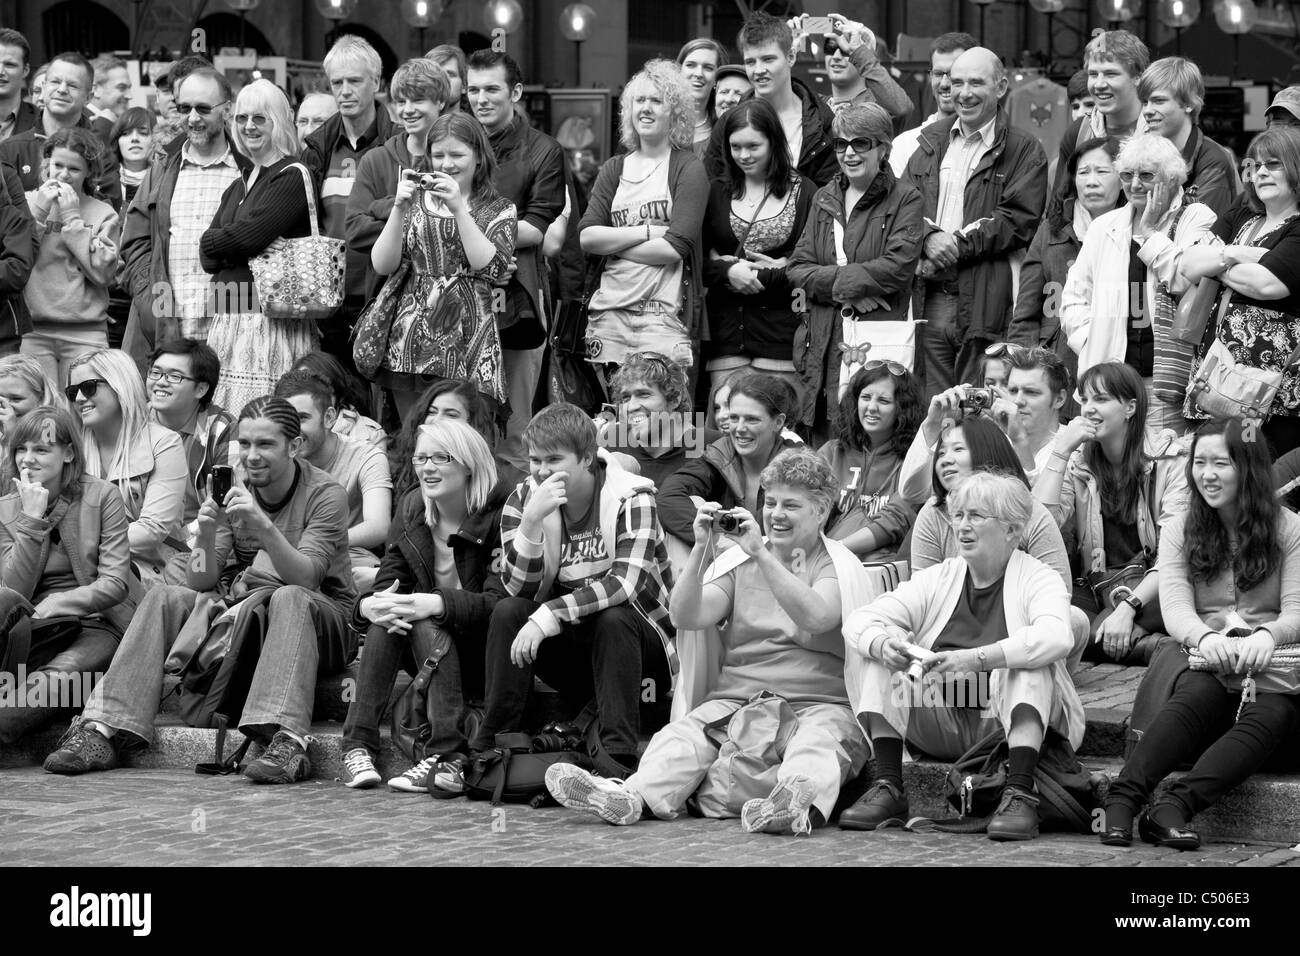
(965, 150)
(905, 144)
(199, 188)
(96, 112)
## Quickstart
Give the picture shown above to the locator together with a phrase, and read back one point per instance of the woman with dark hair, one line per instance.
(855, 260)
(350, 400)
(1230, 592)
(130, 142)
(728, 471)
(456, 236)
(1092, 189)
(63, 548)
(445, 398)
(699, 60)
(756, 216)
(1254, 256)
(971, 445)
(1126, 482)
(879, 415)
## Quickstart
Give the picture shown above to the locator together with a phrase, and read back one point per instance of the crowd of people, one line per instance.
(922, 349)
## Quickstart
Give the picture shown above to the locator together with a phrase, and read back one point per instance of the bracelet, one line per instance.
(1057, 453)
(647, 232)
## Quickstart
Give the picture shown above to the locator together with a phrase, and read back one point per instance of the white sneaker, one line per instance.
(449, 777)
(359, 771)
(784, 810)
(609, 799)
(415, 780)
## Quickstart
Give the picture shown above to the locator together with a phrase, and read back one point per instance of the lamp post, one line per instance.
(1236, 17)
(576, 21)
(1051, 8)
(422, 14)
(1115, 12)
(504, 15)
(334, 11)
(1178, 15)
(243, 6)
(983, 5)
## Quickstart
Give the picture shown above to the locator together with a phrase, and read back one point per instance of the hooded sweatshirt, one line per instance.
(77, 258)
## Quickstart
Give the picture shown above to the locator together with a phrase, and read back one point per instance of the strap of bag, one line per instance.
(840, 258)
(500, 788)
(311, 197)
(223, 766)
(740, 243)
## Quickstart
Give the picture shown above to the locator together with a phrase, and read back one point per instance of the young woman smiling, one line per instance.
(23, 386)
(699, 60)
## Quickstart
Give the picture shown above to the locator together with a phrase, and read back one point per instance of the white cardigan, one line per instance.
(1095, 301)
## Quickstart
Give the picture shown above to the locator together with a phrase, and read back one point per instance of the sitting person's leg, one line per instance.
(674, 765)
(125, 702)
(306, 634)
(624, 650)
(64, 662)
(827, 750)
(506, 686)
(884, 714)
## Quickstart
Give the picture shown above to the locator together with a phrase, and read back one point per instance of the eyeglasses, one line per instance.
(1270, 165)
(438, 458)
(973, 517)
(88, 388)
(859, 145)
(171, 376)
(1146, 177)
(894, 367)
(257, 119)
(185, 109)
(939, 74)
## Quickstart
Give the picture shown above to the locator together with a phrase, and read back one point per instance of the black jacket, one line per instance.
(476, 548)
(18, 245)
(816, 157)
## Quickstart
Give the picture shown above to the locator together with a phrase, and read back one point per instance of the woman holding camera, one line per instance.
(433, 597)
(457, 234)
(772, 611)
(1126, 482)
(1229, 590)
(1135, 247)
(64, 548)
(879, 416)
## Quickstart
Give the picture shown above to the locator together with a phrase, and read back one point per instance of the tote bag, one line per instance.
(863, 340)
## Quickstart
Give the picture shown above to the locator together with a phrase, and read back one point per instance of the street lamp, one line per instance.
(1178, 15)
(983, 5)
(1118, 11)
(422, 14)
(1051, 8)
(336, 9)
(576, 21)
(504, 15)
(243, 6)
(1235, 17)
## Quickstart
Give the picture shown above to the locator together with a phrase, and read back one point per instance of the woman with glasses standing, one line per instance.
(145, 460)
(879, 416)
(269, 203)
(1129, 262)
(1254, 255)
(433, 596)
(855, 260)
(756, 216)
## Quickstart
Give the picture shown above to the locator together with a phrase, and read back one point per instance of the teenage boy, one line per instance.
(857, 75)
(585, 565)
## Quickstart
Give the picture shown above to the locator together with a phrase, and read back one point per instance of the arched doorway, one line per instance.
(83, 26)
(223, 31)
(386, 54)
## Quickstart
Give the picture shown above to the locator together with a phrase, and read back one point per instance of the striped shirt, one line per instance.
(965, 150)
(199, 188)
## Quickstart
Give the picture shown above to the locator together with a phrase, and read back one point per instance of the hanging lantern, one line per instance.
(505, 15)
(1236, 16)
(1048, 6)
(577, 21)
(1178, 14)
(1119, 11)
(422, 14)
(336, 9)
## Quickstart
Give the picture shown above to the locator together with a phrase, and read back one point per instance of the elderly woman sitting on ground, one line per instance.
(771, 737)
(993, 623)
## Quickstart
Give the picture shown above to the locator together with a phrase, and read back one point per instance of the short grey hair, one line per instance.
(1154, 152)
(999, 496)
(803, 469)
(350, 48)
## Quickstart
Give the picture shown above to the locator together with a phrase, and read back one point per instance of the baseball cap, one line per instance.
(1287, 99)
(731, 69)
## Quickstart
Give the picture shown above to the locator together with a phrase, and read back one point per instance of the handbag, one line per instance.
(1225, 388)
(1098, 593)
(512, 773)
(301, 278)
(1174, 357)
(1282, 676)
(413, 717)
(885, 340)
(569, 376)
(751, 743)
(1193, 312)
(375, 324)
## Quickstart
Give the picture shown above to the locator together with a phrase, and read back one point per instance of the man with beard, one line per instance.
(173, 207)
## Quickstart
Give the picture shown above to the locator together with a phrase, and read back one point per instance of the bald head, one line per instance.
(979, 81)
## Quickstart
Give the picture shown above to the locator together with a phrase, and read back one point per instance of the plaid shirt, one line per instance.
(640, 575)
(199, 188)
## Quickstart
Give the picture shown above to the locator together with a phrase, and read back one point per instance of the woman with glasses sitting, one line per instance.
(433, 597)
(145, 460)
(1128, 269)
(879, 415)
(856, 258)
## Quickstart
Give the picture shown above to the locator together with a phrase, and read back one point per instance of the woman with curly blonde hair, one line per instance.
(644, 219)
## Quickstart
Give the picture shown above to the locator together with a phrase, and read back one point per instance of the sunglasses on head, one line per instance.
(894, 368)
(88, 388)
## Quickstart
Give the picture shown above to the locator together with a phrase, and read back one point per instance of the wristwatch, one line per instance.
(1135, 603)
(983, 658)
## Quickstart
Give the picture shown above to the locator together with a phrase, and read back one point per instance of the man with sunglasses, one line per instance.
(857, 75)
(180, 383)
(172, 209)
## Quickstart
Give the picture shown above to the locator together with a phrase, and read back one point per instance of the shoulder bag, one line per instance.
(861, 338)
(301, 278)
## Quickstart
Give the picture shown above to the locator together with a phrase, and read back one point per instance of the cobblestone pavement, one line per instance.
(162, 818)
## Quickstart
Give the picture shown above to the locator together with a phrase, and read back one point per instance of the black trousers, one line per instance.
(1200, 717)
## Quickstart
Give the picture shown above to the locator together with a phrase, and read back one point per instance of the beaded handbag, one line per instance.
(301, 278)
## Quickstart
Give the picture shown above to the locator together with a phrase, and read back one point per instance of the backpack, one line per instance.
(1066, 791)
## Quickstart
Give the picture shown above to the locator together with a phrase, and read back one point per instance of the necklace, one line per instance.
(653, 169)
